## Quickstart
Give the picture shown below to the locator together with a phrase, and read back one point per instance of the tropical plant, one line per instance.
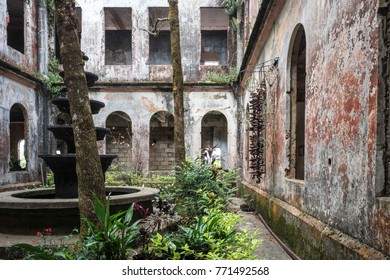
(116, 235)
(163, 218)
(49, 247)
(212, 236)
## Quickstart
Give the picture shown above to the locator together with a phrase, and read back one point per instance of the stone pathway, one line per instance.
(269, 248)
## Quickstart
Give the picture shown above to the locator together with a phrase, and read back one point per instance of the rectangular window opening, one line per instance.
(118, 26)
(160, 41)
(15, 24)
(214, 26)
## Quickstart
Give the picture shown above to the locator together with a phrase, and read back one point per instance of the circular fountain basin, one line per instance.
(30, 211)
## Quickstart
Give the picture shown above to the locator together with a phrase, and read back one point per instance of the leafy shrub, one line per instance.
(115, 238)
(200, 187)
(47, 247)
(133, 179)
(114, 178)
(222, 77)
(213, 236)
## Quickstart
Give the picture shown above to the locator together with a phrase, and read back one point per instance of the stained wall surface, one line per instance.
(18, 86)
(141, 105)
(340, 168)
(141, 68)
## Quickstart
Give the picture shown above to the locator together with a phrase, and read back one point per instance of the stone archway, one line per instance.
(161, 143)
(214, 135)
(119, 141)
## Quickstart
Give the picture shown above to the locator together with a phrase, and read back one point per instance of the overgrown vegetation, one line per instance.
(201, 187)
(190, 221)
(222, 77)
(50, 6)
(54, 80)
(231, 7)
(114, 177)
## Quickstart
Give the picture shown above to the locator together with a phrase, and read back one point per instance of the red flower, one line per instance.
(48, 230)
(39, 233)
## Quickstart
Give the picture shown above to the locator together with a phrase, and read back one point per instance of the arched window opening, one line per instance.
(18, 160)
(214, 139)
(161, 143)
(298, 93)
(119, 141)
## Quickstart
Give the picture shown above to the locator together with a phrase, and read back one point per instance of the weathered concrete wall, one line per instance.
(17, 86)
(341, 115)
(92, 41)
(307, 236)
(141, 103)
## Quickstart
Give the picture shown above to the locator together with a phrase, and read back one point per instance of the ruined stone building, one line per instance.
(307, 121)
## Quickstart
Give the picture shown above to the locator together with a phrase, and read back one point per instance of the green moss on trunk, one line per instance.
(177, 86)
(89, 170)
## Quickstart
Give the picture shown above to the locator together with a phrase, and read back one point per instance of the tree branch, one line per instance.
(155, 29)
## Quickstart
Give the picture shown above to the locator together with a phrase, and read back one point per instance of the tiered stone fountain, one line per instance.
(29, 211)
(64, 165)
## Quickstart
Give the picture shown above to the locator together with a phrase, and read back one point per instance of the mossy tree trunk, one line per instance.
(177, 82)
(88, 167)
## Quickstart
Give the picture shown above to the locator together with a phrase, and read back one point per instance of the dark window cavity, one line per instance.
(15, 24)
(118, 26)
(160, 37)
(298, 92)
(214, 26)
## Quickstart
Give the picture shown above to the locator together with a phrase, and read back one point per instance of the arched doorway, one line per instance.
(214, 136)
(119, 141)
(161, 143)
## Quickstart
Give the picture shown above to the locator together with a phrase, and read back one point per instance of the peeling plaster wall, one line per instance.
(141, 105)
(198, 103)
(341, 115)
(16, 86)
(92, 41)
